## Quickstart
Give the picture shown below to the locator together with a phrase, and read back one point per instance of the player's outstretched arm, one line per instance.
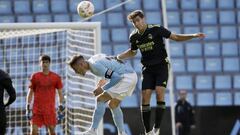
(127, 54)
(185, 37)
(60, 96)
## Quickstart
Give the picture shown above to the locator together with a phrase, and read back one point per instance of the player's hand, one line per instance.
(101, 83)
(200, 35)
(28, 112)
(98, 91)
(60, 112)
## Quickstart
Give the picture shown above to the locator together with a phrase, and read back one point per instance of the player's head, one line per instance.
(45, 62)
(79, 65)
(137, 18)
(183, 94)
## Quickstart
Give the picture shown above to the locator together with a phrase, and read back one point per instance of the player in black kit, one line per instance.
(149, 39)
(5, 83)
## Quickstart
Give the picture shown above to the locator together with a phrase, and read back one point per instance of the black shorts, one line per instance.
(155, 75)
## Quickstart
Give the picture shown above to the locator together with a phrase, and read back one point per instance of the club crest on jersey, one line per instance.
(150, 36)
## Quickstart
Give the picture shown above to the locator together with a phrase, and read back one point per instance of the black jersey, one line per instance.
(151, 44)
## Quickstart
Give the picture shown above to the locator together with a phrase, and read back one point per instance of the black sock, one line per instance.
(159, 113)
(146, 117)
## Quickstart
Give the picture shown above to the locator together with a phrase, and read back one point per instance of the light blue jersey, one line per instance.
(109, 68)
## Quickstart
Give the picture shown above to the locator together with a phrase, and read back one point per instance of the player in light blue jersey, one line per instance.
(122, 81)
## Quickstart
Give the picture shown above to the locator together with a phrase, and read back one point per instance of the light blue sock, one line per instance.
(118, 118)
(98, 114)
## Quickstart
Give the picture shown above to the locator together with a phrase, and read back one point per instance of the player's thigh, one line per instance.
(104, 97)
(114, 103)
(51, 129)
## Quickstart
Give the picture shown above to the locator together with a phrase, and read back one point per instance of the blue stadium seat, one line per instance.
(237, 98)
(119, 48)
(204, 82)
(76, 18)
(178, 65)
(223, 98)
(40, 6)
(230, 49)
(110, 3)
(119, 31)
(226, 4)
(211, 32)
(172, 4)
(115, 19)
(238, 16)
(195, 65)
(231, 64)
(153, 5)
(58, 6)
(175, 29)
(191, 29)
(223, 82)
(205, 99)
(133, 5)
(61, 18)
(236, 82)
(209, 17)
(7, 19)
(101, 18)
(227, 17)
(208, 4)
(105, 35)
(188, 4)
(73, 5)
(137, 65)
(173, 18)
(176, 49)
(43, 18)
(24, 18)
(107, 49)
(212, 49)
(190, 18)
(130, 101)
(98, 5)
(153, 17)
(5, 7)
(213, 65)
(184, 82)
(193, 49)
(22, 7)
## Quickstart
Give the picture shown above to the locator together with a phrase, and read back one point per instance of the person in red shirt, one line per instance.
(42, 90)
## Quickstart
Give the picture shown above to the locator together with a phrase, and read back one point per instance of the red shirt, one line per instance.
(44, 88)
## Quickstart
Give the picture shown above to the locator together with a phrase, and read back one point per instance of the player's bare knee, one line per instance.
(114, 103)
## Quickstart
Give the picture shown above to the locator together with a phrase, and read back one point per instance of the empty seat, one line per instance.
(5, 7)
(178, 65)
(226, 4)
(115, 19)
(7, 19)
(211, 32)
(213, 65)
(119, 48)
(130, 101)
(172, 4)
(223, 98)
(153, 17)
(184, 82)
(204, 82)
(107, 49)
(176, 49)
(189, 4)
(238, 16)
(227, 17)
(73, 5)
(61, 18)
(237, 98)
(212, 49)
(98, 5)
(100, 18)
(153, 5)
(207, 4)
(22, 7)
(24, 18)
(231, 64)
(223, 82)
(40, 6)
(205, 99)
(236, 82)
(190, 18)
(43, 18)
(111, 3)
(58, 6)
(209, 17)
(229, 49)
(173, 18)
(119, 31)
(105, 35)
(191, 29)
(133, 5)
(195, 65)
(193, 49)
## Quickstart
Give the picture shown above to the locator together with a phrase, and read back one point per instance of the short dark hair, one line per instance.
(74, 59)
(45, 57)
(134, 14)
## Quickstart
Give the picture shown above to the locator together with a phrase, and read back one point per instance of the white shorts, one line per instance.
(123, 88)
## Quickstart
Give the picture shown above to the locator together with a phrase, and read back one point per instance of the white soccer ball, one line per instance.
(85, 9)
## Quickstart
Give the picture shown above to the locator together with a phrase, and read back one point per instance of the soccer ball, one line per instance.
(85, 9)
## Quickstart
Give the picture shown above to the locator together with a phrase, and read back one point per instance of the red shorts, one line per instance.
(44, 119)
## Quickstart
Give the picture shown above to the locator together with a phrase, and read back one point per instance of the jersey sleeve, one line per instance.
(164, 32)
